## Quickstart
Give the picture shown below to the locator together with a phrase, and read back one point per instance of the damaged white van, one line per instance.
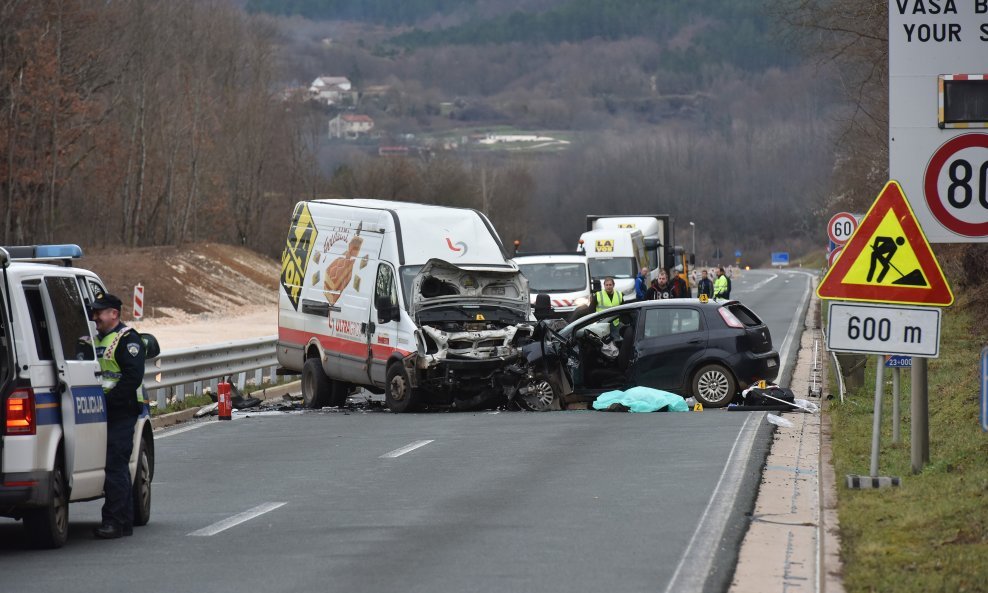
(414, 300)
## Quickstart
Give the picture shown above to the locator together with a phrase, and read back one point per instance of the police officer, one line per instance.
(120, 352)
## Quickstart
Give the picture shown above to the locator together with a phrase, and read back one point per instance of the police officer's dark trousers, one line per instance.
(118, 507)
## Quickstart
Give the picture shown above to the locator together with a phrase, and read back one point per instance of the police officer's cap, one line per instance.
(106, 301)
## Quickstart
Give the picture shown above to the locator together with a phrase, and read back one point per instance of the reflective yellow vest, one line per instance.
(605, 302)
(720, 287)
(108, 362)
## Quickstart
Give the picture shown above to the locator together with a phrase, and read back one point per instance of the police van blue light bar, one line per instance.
(58, 251)
(42, 252)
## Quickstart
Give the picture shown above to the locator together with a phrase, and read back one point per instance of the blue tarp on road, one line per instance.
(642, 399)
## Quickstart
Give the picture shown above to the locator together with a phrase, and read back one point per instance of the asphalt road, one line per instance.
(443, 502)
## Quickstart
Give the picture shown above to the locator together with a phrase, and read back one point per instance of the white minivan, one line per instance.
(417, 301)
(564, 277)
(52, 407)
(616, 253)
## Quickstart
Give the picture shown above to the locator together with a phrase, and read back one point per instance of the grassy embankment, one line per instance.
(931, 533)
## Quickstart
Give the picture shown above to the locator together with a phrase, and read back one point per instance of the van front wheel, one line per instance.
(399, 393)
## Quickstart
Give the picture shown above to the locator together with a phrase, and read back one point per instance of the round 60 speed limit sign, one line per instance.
(841, 227)
(956, 185)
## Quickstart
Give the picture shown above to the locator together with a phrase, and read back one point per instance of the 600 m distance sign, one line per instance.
(884, 329)
(956, 185)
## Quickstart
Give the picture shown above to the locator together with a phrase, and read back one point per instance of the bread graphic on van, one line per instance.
(340, 271)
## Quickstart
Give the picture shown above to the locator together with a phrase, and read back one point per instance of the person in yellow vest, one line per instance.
(607, 298)
(722, 290)
(121, 354)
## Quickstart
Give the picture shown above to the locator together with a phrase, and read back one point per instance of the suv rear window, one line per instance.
(744, 315)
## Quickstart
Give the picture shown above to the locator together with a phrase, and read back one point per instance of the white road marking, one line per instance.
(405, 449)
(237, 519)
(172, 433)
(763, 283)
(796, 320)
(710, 529)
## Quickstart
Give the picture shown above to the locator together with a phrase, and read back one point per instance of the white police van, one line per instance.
(52, 407)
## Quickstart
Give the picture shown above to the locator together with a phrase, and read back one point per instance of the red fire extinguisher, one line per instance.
(225, 401)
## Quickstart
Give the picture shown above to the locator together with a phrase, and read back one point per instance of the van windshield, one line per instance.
(408, 273)
(616, 267)
(555, 276)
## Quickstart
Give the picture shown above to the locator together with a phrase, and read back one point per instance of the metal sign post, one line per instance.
(984, 389)
(876, 425)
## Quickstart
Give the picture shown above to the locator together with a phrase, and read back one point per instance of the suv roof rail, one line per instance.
(40, 253)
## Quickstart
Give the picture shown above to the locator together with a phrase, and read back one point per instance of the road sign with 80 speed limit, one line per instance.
(841, 227)
(956, 185)
(884, 329)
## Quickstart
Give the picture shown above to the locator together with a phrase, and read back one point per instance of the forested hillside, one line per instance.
(146, 122)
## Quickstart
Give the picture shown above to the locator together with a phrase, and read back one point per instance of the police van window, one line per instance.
(91, 289)
(39, 323)
(70, 315)
(385, 286)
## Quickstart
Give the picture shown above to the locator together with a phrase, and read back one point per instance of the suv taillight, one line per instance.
(20, 413)
(729, 318)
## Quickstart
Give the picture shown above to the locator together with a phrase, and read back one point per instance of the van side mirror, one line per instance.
(692, 260)
(595, 286)
(385, 310)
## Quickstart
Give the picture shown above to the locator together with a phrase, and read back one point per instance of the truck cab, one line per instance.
(616, 253)
(52, 406)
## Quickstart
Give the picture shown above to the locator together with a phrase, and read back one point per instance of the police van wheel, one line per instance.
(49, 527)
(316, 386)
(714, 386)
(142, 486)
(399, 393)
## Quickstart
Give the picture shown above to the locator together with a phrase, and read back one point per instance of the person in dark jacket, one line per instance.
(705, 285)
(641, 284)
(680, 290)
(121, 355)
(661, 288)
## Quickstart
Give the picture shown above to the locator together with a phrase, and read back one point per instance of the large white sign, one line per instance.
(927, 39)
(884, 329)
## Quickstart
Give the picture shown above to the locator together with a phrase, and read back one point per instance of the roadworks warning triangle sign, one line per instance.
(887, 259)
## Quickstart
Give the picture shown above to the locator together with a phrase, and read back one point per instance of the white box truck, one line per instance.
(416, 301)
(657, 230)
(617, 253)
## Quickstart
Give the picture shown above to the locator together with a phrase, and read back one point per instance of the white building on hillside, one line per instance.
(332, 90)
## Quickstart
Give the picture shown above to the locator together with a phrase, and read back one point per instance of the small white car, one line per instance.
(52, 407)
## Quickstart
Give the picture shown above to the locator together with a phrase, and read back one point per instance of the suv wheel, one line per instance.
(714, 386)
(48, 527)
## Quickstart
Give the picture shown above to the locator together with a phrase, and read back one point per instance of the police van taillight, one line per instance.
(20, 414)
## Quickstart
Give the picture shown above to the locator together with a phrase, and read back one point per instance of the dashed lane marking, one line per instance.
(407, 448)
(237, 519)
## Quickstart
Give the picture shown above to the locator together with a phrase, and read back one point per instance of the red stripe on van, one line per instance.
(341, 345)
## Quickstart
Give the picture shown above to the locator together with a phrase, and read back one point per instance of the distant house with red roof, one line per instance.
(350, 126)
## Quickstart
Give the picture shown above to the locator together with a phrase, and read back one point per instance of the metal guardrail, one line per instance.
(192, 369)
